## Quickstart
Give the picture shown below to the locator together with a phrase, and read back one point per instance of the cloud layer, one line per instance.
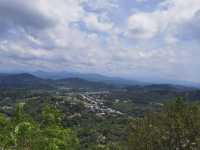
(110, 37)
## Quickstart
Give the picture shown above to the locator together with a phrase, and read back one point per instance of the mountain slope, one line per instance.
(23, 80)
(81, 83)
(89, 77)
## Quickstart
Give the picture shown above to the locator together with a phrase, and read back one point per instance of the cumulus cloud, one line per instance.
(190, 31)
(93, 23)
(166, 19)
(101, 4)
(20, 14)
(88, 36)
(142, 26)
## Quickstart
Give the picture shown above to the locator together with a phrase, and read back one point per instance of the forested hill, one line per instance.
(151, 92)
(30, 81)
(22, 81)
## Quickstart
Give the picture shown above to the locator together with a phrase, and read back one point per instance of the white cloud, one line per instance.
(51, 40)
(94, 23)
(101, 4)
(165, 20)
(142, 26)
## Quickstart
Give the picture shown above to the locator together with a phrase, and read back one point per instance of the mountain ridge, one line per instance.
(28, 80)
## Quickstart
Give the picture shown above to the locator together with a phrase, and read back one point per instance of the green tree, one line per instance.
(175, 127)
(51, 116)
(6, 137)
(21, 132)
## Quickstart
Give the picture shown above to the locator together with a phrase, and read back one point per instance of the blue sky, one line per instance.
(138, 39)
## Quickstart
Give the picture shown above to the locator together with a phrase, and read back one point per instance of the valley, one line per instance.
(100, 113)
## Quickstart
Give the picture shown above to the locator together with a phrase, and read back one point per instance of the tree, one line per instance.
(6, 138)
(21, 132)
(51, 116)
(175, 127)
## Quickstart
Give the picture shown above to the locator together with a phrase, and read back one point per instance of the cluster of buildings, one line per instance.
(97, 106)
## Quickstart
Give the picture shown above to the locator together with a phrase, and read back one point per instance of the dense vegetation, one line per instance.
(175, 127)
(21, 132)
(93, 116)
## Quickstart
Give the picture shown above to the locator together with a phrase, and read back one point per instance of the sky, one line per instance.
(137, 39)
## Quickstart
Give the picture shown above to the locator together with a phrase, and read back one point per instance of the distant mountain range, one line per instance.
(76, 80)
(25, 80)
(89, 77)
(112, 80)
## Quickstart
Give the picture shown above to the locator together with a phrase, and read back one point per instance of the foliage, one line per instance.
(21, 132)
(176, 127)
(51, 120)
